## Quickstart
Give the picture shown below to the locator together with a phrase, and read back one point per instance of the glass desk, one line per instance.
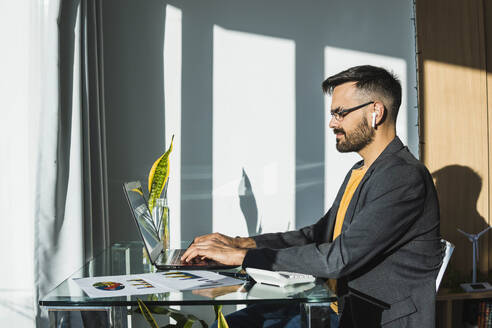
(128, 258)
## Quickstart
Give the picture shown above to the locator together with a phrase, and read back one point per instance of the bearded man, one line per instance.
(381, 235)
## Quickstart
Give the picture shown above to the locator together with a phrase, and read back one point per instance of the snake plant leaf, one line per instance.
(182, 320)
(221, 321)
(185, 320)
(146, 313)
(158, 176)
(188, 324)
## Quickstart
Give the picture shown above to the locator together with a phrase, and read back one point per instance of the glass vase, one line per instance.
(160, 213)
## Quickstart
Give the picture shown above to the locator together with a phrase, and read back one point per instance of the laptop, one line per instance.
(162, 259)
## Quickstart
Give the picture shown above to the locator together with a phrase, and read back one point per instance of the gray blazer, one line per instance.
(389, 247)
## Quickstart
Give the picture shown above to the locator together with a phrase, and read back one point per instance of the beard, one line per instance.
(362, 136)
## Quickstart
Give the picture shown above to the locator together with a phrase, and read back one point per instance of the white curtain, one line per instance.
(41, 193)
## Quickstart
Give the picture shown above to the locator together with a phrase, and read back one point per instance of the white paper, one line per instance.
(186, 280)
(152, 283)
(114, 286)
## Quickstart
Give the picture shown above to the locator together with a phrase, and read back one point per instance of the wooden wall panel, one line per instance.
(454, 120)
(488, 64)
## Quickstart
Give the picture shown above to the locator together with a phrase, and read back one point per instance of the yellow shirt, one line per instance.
(354, 181)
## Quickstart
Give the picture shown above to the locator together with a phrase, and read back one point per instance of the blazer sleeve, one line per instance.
(287, 239)
(394, 201)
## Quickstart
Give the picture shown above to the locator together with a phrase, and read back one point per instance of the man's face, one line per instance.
(353, 132)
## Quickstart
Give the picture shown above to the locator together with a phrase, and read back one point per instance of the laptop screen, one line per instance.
(141, 214)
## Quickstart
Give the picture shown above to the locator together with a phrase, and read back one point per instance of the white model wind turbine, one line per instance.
(474, 286)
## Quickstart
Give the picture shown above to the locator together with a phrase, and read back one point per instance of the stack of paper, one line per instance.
(152, 283)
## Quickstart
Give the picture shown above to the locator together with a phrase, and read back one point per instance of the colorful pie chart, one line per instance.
(108, 285)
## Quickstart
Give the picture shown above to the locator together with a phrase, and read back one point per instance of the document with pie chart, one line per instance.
(152, 283)
(115, 286)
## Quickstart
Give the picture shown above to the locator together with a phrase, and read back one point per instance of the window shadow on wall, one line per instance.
(133, 34)
(133, 51)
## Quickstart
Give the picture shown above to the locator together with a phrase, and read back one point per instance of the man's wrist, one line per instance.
(241, 255)
(244, 242)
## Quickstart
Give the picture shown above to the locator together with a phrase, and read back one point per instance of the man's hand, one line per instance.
(214, 249)
(237, 242)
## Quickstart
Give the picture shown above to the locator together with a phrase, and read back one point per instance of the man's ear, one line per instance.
(380, 111)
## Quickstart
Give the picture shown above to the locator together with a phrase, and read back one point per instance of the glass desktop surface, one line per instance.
(127, 258)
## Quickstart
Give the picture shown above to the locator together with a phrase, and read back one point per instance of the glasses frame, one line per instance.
(338, 114)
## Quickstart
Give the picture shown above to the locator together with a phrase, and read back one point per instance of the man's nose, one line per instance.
(333, 123)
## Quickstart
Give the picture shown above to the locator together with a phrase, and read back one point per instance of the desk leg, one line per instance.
(315, 315)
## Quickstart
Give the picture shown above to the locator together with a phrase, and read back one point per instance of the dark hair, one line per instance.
(372, 80)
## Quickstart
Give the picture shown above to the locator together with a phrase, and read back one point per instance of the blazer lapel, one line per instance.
(394, 146)
(353, 202)
(338, 199)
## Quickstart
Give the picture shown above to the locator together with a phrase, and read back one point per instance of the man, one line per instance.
(381, 236)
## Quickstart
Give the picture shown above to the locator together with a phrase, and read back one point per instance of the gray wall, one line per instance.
(134, 88)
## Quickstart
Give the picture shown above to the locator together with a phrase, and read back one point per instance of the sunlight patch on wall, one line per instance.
(172, 97)
(253, 133)
(337, 60)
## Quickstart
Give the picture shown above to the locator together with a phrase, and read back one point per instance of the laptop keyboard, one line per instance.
(176, 260)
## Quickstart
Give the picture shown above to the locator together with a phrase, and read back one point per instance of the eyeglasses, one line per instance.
(338, 114)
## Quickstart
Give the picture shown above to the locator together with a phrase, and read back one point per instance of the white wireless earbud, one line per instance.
(374, 119)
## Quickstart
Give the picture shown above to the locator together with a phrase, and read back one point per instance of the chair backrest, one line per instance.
(448, 251)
